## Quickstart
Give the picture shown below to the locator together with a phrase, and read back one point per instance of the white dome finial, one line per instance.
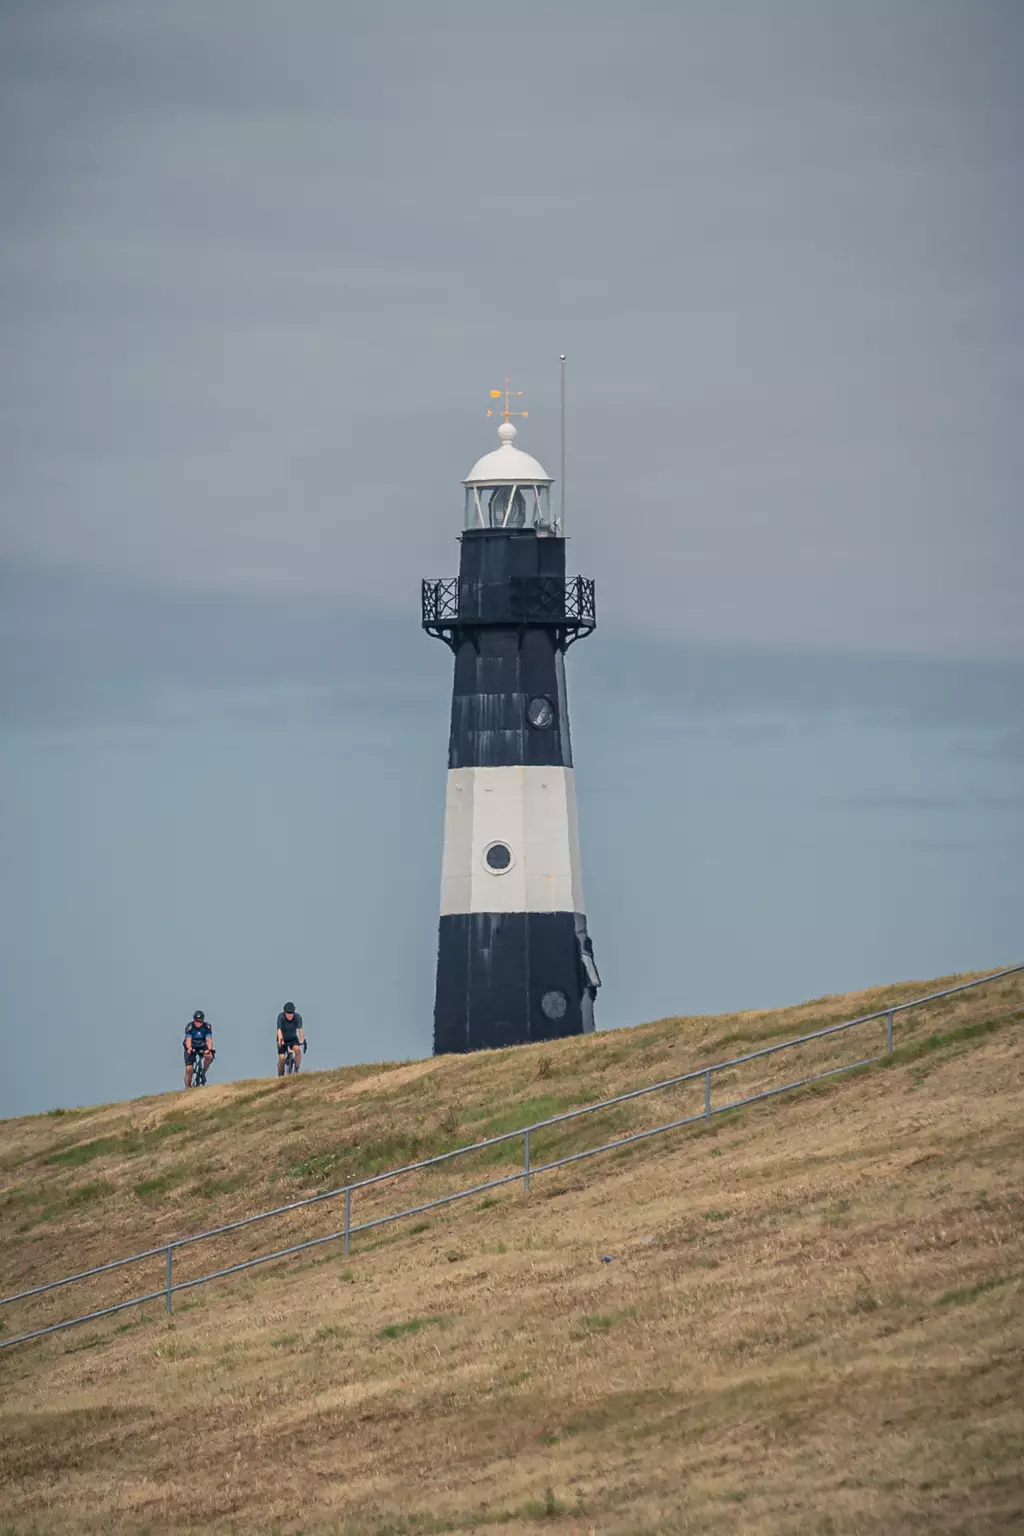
(507, 464)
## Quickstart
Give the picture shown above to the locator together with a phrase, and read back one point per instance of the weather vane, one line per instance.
(496, 394)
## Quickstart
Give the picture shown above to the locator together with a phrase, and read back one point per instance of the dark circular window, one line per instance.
(553, 1005)
(498, 857)
(541, 713)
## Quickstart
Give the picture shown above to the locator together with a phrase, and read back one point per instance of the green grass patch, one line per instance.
(83, 1341)
(720, 1121)
(23, 1197)
(597, 1322)
(736, 1037)
(969, 1293)
(161, 1183)
(76, 1198)
(344, 1164)
(413, 1325)
(557, 1141)
(129, 1144)
(208, 1188)
(169, 1127)
(942, 1040)
(86, 1151)
(547, 1508)
(85, 1194)
(139, 1321)
(517, 1116)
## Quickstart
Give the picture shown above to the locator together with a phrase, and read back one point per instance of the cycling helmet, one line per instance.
(199, 1016)
(288, 1008)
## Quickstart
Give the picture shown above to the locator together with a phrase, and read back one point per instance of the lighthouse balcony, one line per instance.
(453, 604)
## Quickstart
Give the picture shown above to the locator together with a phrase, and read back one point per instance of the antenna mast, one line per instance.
(561, 519)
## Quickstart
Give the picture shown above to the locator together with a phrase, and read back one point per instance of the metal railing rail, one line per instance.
(529, 1170)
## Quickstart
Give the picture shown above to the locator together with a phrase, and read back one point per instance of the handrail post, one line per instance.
(526, 1159)
(888, 1032)
(348, 1221)
(170, 1262)
(707, 1094)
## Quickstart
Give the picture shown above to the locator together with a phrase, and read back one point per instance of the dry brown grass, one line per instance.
(811, 1321)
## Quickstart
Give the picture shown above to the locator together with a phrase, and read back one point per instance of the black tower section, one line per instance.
(509, 649)
(510, 976)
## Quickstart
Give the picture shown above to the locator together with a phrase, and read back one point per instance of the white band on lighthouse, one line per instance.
(511, 841)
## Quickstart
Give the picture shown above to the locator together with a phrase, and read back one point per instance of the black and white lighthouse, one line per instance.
(514, 960)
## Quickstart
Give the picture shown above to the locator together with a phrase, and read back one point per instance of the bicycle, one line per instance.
(291, 1058)
(199, 1068)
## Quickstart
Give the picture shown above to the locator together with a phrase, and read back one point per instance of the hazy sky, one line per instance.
(259, 266)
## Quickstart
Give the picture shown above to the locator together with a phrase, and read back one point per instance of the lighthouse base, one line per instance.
(507, 978)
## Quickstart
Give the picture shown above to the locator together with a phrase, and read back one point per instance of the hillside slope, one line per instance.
(811, 1320)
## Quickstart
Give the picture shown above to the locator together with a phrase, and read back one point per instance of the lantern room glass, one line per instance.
(509, 506)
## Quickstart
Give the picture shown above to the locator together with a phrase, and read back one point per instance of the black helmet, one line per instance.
(288, 1008)
(199, 1016)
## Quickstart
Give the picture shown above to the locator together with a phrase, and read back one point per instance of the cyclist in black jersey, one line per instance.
(198, 1042)
(289, 1037)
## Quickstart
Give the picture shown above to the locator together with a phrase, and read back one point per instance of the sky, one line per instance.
(260, 265)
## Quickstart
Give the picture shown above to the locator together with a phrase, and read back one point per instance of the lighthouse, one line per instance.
(514, 960)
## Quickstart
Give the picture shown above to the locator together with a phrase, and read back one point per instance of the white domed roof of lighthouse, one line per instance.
(507, 465)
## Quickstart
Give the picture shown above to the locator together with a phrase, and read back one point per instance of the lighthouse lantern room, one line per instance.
(515, 962)
(509, 489)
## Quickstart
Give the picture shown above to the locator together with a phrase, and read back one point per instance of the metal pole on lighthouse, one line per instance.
(515, 962)
(561, 467)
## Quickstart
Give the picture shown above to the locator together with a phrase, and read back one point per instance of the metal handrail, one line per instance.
(535, 599)
(167, 1249)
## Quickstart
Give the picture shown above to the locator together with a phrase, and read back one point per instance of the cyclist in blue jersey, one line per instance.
(198, 1042)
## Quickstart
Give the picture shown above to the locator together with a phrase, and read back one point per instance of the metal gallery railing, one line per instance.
(452, 605)
(529, 1170)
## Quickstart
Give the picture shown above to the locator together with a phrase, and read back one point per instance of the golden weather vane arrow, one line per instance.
(516, 394)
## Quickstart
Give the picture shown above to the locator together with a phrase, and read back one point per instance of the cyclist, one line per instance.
(198, 1042)
(289, 1037)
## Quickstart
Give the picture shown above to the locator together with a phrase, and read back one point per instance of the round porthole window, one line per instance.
(498, 858)
(554, 1005)
(541, 713)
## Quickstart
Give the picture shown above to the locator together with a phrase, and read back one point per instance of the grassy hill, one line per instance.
(811, 1321)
